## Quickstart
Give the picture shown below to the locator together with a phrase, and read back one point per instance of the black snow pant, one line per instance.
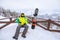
(18, 30)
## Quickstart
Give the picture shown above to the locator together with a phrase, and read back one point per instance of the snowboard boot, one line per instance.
(23, 36)
(33, 27)
(15, 37)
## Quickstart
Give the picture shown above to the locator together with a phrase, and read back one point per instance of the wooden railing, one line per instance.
(46, 23)
(7, 23)
(49, 22)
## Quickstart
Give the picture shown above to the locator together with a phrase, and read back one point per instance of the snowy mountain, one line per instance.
(55, 17)
(7, 13)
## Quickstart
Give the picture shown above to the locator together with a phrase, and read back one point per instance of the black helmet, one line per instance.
(22, 15)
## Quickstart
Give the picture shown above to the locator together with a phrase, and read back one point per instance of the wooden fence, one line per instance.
(7, 23)
(47, 22)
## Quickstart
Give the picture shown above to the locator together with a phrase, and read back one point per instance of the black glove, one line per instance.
(24, 23)
(19, 22)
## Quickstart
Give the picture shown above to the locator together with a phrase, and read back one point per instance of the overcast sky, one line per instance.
(30, 4)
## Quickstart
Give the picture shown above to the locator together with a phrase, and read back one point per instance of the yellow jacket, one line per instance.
(22, 20)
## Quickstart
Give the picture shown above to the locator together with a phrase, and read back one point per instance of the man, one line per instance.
(22, 23)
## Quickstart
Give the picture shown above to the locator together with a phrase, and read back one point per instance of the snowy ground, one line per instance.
(37, 34)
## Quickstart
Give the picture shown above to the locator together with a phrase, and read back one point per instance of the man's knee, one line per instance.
(26, 26)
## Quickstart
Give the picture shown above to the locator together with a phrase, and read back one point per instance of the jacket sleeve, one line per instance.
(17, 20)
(26, 21)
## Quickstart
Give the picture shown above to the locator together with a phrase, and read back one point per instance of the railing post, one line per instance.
(10, 19)
(49, 21)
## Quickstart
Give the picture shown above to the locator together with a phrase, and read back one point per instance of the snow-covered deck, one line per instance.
(37, 34)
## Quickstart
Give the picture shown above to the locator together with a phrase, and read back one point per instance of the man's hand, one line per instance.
(24, 23)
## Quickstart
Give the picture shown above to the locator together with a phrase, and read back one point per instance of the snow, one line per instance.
(2, 24)
(55, 27)
(1, 20)
(37, 34)
(5, 20)
(42, 25)
(2, 17)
